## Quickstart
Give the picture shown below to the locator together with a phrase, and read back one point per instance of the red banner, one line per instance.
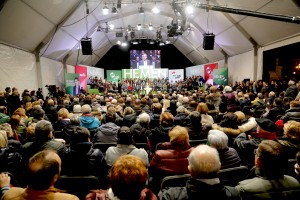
(82, 71)
(209, 72)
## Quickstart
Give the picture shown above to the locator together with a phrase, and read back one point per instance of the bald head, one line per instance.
(43, 169)
(204, 162)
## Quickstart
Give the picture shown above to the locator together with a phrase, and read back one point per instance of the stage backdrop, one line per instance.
(197, 70)
(69, 82)
(144, 73)
(113, 75)
(82, 71)
(176, 75)
(221, 76)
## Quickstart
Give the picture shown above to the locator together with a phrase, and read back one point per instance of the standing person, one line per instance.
(145, 62)
(76, 88)
(43, 171)
(204, 165)
(271, 183)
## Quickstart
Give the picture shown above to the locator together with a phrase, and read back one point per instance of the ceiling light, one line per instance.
(151, 42)
(124, 44)
(134, 42)
(111, 26)
(118, 42)
(105, 10)
(168, 41)
(155, 10)
(161, 44)
(189, 9)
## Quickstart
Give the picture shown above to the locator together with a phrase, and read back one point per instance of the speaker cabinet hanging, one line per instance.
(208, 41)
(86, 46)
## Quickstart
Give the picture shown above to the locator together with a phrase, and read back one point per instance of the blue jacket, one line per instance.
(89, 122)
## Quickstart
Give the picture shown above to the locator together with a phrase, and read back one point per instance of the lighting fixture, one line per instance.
(155, 9)
(168, 41)
(111, 26)
(124, 44)
(118, 42)
(189, 9)
(105, 10)
(141, 10)
(134, 42)
(150, 27)
(151, 42)
(114, 9)
(139, 26)
(161, 44)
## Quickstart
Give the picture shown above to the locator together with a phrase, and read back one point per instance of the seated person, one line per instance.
(10, 158)
(43, 171)
(228, 156)
(271, 182)
(293, 113)
(203, 166)
(276, 111)
(195, 128)
(291, 139)
(107, 132)
(43, 140)
(124, 147)
(140, 130)
(172, 158)
(161, 132)
(128, 177)
(246, 144)
(87, 120)
(81, 159)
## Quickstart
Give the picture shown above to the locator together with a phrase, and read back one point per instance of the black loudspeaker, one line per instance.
(86, 46)
(208, 41)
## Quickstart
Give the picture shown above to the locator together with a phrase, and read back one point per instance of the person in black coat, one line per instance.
(276, 111)
(81, 159)
(293, 113)
(140, 130)
(204, 165)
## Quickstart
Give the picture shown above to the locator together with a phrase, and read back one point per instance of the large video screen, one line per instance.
(145, 59)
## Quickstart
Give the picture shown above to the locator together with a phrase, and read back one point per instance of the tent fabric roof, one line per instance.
(54, 28)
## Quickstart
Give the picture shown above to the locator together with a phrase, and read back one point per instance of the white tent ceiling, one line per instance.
(54, 28)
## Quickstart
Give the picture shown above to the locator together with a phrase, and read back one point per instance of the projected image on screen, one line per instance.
(145, 59)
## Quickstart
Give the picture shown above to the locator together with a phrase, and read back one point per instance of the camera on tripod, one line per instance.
(51, 89)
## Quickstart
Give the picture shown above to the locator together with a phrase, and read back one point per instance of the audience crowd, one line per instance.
(131, 141)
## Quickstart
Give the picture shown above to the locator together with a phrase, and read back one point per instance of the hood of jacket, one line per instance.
(109, 128)
(241, 129)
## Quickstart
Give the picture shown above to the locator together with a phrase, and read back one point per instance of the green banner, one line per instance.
(70, 82)
(113, 76)
(221, 76)
(144, 73)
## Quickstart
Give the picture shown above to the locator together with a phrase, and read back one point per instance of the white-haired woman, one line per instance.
(140, 130)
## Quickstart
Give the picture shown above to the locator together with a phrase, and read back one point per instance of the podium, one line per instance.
(147, 89)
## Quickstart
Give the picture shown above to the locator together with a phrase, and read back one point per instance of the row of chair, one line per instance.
(81, 185)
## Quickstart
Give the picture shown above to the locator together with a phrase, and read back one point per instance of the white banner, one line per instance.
(144, 73)
(176, 75)
(197, 70)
